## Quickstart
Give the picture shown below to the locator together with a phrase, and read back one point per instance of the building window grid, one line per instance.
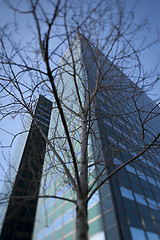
(44, 124)
(40, 116)
(152, 180)
(125, 130)
(139, 173)
(58, 221)
(122, 134)
(90, 153)
(43, 111)
(149, 164)
(119, 162)
(58, 211)
(141, 234)
(145, 201)
(125, 212)
(136, 172)
(151, 177)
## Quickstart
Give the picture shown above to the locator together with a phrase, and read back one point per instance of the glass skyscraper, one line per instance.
(124, 121)
(27, 164)
(127, 206)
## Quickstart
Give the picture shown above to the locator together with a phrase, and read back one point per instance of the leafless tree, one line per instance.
(100, 45)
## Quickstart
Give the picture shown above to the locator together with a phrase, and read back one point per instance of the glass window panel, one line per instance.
(48, 230)
(152, 203)
(133, 153)
(121, 121)
(144, 211)
(152, 236)
(137, 234)
(51, 201)
(60, 193)
(127, 193)
(158, 183)
(130, 206)
(98, 236)
(92, 167)
(150, 164)
(141, 175)
(112, 139)
(78, 153)
(157, 168)
(149, 224)
(107, 122)
(151, 180)
(140, 199)
(123, 146)
(107, 203)
(110, 219)
(117, 129)
(41, 234)
(47, 204)
(117, 161)
(68, 216)
(130, 169)
(134, 220)
(113, 233)
(58, 223)
(94, 199)
(143, 160)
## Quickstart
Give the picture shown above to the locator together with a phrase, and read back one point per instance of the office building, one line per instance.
(127, 206)
(124, 121)
(28, 162)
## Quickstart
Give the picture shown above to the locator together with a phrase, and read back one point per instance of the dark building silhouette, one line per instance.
(20, 215)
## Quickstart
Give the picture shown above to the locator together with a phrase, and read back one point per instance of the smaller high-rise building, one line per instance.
(20, 213)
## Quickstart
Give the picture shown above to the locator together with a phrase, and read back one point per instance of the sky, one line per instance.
(142, 8)
(151, 10)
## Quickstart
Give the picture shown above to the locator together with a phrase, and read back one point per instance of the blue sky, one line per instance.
(143, 8)
(149, 58)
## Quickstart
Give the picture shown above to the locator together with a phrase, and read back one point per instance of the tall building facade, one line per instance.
(20, 213)
(127, 206)
(123, 123)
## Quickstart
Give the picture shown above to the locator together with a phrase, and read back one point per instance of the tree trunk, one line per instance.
(81, 220)
(81, 211)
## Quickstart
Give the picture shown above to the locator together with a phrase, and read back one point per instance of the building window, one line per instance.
(137, 234)
(152, 236)
(94, 199)
(98, 236)
(126, 193)
(140, 198)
